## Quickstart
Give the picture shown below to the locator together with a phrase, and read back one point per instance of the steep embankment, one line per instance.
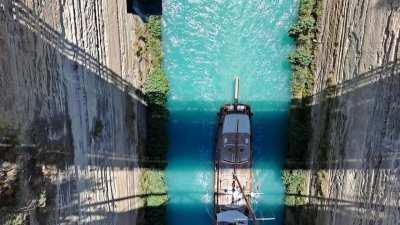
(353, 164)
(71, 116)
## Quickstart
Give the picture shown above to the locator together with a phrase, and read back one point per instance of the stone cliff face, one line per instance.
(354, 170)
(70, 79)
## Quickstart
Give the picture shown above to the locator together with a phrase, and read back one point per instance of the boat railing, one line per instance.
(234, 145)
(235, 108)
(235, 163)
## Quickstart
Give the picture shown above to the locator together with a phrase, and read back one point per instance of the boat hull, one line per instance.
(233, 160)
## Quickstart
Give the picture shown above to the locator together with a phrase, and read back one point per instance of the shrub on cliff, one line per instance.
(303, 26)
(155, 92)
(304, 32)
(153, 43)
(294, 182)
(154, 27)
(301, 56)
(156, 87)
(306, 7)
(152, 180)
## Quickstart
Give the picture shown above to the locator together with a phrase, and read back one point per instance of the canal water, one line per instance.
(206, 44)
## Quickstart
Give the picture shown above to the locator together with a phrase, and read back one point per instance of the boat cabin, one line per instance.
(232, 217)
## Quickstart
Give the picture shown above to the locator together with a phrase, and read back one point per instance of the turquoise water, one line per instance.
(206, 44)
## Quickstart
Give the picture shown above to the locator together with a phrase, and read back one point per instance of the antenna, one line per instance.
(236, 97)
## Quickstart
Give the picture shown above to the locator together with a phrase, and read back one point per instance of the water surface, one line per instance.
(206, 44)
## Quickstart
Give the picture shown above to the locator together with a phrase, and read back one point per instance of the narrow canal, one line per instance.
(206, 44)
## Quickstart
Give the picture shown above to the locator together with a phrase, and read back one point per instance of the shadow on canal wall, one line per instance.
(364, 91)
(349, 151)
(391, 4)
(105, 217)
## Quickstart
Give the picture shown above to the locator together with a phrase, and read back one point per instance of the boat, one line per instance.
(233, 164)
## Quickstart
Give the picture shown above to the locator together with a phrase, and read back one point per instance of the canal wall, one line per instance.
(350, 170)
(72, 117)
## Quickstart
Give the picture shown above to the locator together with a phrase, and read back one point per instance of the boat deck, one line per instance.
(233, 156)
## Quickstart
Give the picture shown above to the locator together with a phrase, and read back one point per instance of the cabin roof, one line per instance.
(236, 122)
(232, 216)
(236, 148)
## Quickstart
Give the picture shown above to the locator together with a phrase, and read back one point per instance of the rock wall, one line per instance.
(70, 78)
(354, 164)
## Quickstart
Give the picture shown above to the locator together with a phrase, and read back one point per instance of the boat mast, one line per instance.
(245, 199)
(236, 97)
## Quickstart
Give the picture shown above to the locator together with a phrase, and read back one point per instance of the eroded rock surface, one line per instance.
(355, 117)
(70, 80)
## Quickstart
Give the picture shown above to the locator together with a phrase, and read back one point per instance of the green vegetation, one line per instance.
(153, 187)
(16, 219)
(304, 32)
(294, 181)
(156, 90)
(42, 199)
(303, 27)
(302, 60)
(152, 180)
(153, 42)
